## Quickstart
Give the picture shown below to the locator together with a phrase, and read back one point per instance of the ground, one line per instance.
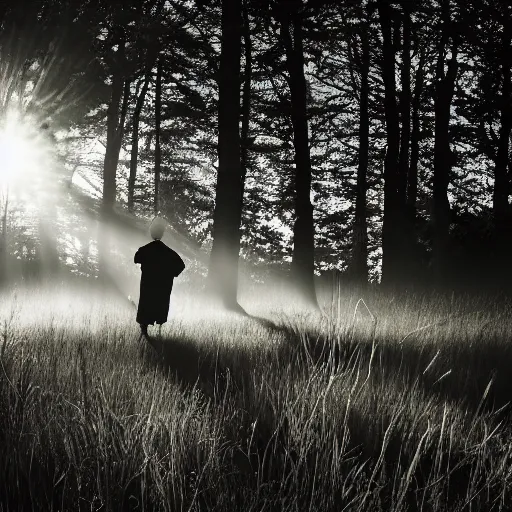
(390, 403)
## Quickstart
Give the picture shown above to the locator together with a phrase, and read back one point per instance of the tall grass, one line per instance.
(397, 403)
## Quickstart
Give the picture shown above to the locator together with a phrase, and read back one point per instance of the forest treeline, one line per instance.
(370, 136)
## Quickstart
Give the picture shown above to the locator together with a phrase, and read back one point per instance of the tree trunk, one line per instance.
(407, 237)
(158, 123)
(246, 97)
(49, 256)
(390, 228)
(444, 90)
(412, 177)
(115, 131)
(501, 209)
(114, 142)
(359, 263)
(405, 107)
(410, 235)
(303, 258)
(110, 163)
(223, 269)
(134, 155)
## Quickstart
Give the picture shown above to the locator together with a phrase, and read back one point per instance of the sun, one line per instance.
(23, 149)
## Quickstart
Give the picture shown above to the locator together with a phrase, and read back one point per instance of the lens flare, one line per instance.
(23, 149)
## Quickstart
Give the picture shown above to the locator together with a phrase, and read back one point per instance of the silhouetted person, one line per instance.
(159, 265)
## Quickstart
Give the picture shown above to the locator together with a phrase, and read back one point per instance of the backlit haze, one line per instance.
(53, 267)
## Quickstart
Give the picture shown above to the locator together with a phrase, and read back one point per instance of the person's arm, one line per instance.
(178, 265)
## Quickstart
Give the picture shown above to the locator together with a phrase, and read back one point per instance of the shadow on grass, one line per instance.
(475, 373)
(179, 357)
(472, 367)
(211, 370)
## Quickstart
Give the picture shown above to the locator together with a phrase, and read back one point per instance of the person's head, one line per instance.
(157, 228)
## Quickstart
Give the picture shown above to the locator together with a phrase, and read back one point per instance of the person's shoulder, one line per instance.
(171, 252)
(164, 246)
(148, 248)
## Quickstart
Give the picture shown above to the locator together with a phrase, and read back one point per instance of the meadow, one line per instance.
(391, 403)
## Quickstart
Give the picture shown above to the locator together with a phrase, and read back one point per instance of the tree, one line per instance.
(116, 116)
(158, 129)
(140, 97)
(405, 104)
(246, 96)
(414, 44)
(359, 259)
(501, 191)
(303, 262)
(444, 91)
(412, 177)
(223, 267)
(391, 219)
(488, 107)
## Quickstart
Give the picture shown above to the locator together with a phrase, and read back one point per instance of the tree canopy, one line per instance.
(370, 142)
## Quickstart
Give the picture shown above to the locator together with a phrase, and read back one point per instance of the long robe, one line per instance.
(159, 265)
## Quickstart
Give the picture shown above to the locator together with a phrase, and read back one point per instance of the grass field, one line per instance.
(397, 403)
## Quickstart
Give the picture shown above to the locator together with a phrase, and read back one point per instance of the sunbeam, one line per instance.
(24, 151)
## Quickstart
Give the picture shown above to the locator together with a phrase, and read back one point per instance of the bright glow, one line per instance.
(22, 149)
